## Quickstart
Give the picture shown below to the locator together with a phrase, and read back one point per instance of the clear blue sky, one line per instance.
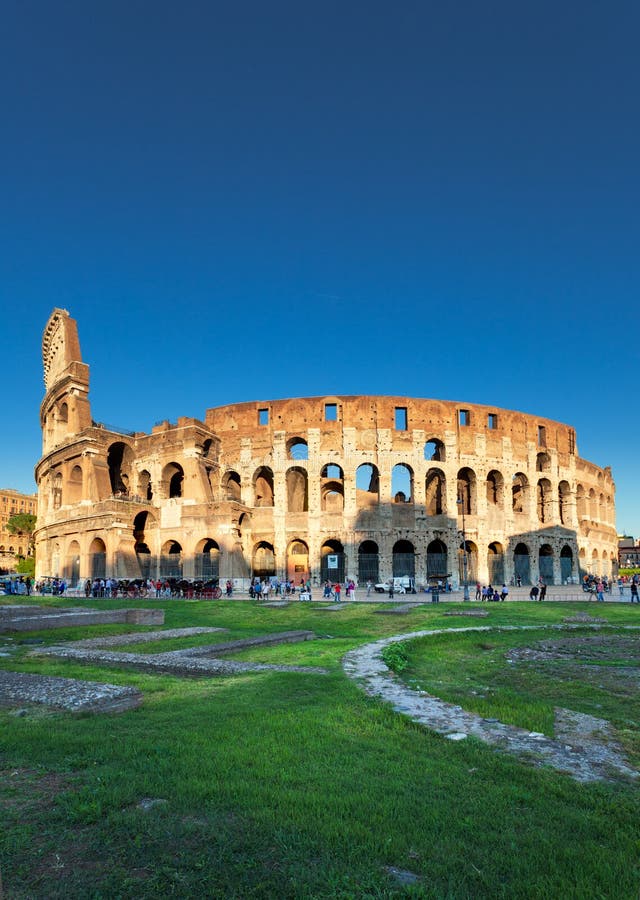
(254, 200)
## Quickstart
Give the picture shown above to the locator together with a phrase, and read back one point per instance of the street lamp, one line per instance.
(465, 593)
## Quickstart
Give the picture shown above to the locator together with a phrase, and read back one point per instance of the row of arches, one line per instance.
(442, 560)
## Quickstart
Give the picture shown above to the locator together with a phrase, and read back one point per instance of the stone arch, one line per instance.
(467, 558)
(120, 458)
(263, 486)
(404, 559)
(602, 511)
(581, 502)
(564, 503)
(297, 490)
(466, 491)
(495, 563)
(98, 558)
(297, 561)
(74, 485)
(593, 509)
(297, 449)
(402, 483)
(142, 523)
(566, 564)
(145, 489)
(522, 564)
(57, 490)
(595, 562)
(172, 480)
(519, 493)
(367, 485)
(63, 412)
(495, 488)
(543, 462)
(437, 560)
(171, 560)
(263, 564)
(332, 488)
(435, 488)
(232, 486)
(71, 571)
(435, 451)
(544, 500)
(545, 563)
(207, 559)
(368, 562)
(332, 561)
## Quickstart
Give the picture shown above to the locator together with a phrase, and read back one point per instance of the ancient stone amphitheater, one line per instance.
(321, 487)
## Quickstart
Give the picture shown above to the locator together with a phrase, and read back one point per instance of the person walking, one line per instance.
(543, 589)
(600, 591)
(369, 588)
(634, 592)
(504, 593)
(478, 591)
(391, 587)
(337, 589)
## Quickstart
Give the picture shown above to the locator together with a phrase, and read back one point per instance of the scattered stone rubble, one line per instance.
(583, 749)
(17, 688)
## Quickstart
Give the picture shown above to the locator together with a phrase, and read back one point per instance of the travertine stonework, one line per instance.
(336, 487)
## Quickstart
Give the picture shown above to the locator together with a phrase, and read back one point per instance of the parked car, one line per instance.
(402, 585)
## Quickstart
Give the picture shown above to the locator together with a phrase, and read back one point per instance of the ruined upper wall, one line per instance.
(60, 347)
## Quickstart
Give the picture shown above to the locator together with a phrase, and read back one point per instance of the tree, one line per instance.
(23, 523)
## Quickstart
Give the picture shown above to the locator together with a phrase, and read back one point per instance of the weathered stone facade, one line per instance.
(364, 487)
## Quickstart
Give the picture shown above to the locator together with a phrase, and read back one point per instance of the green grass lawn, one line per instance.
(292, 785)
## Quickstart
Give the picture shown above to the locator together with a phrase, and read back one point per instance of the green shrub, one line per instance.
(395, 656)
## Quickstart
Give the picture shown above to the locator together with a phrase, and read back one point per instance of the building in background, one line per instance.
(322, 487)
(14, 546)
(628, 552)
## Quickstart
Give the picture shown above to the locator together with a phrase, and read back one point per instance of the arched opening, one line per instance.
(437, 565)
(332, 488)
(74, 485)
(595, 563)
(435, 492)
(368, 562)
(57, 490)
(297, 490)
(544, 501)
(593, 506)
(434, 451)
(72, 564)
(545, 563)
(521, 564)
(263, 487)
(402, 484)
(519, 493)
(144, 485)
(566, 564)
(172, 480)
(466, 493)
(495, 563)
(119, 462)
(543, 462)
(297, 448)
(98, 558)
(171, 560)
(367, 486)
(332, 497)
(264, 561)
(581, 502)
(231, 487)
(564, 503)
(495, 488)
(332, 561)
(404, 560)
(142, 522)
(63, 413)
(297, 561)
(467, 559)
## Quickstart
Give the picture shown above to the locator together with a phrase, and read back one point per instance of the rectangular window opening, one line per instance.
(331, 412)
(542, 436)
(464, 417)
(401, 418)
(492, 421)
(263, 417)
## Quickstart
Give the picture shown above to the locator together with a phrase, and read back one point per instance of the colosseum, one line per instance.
(313, 488)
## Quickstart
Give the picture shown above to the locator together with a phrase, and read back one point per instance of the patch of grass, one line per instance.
(286, 785)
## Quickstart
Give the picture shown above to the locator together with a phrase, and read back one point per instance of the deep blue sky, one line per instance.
(254, 200)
